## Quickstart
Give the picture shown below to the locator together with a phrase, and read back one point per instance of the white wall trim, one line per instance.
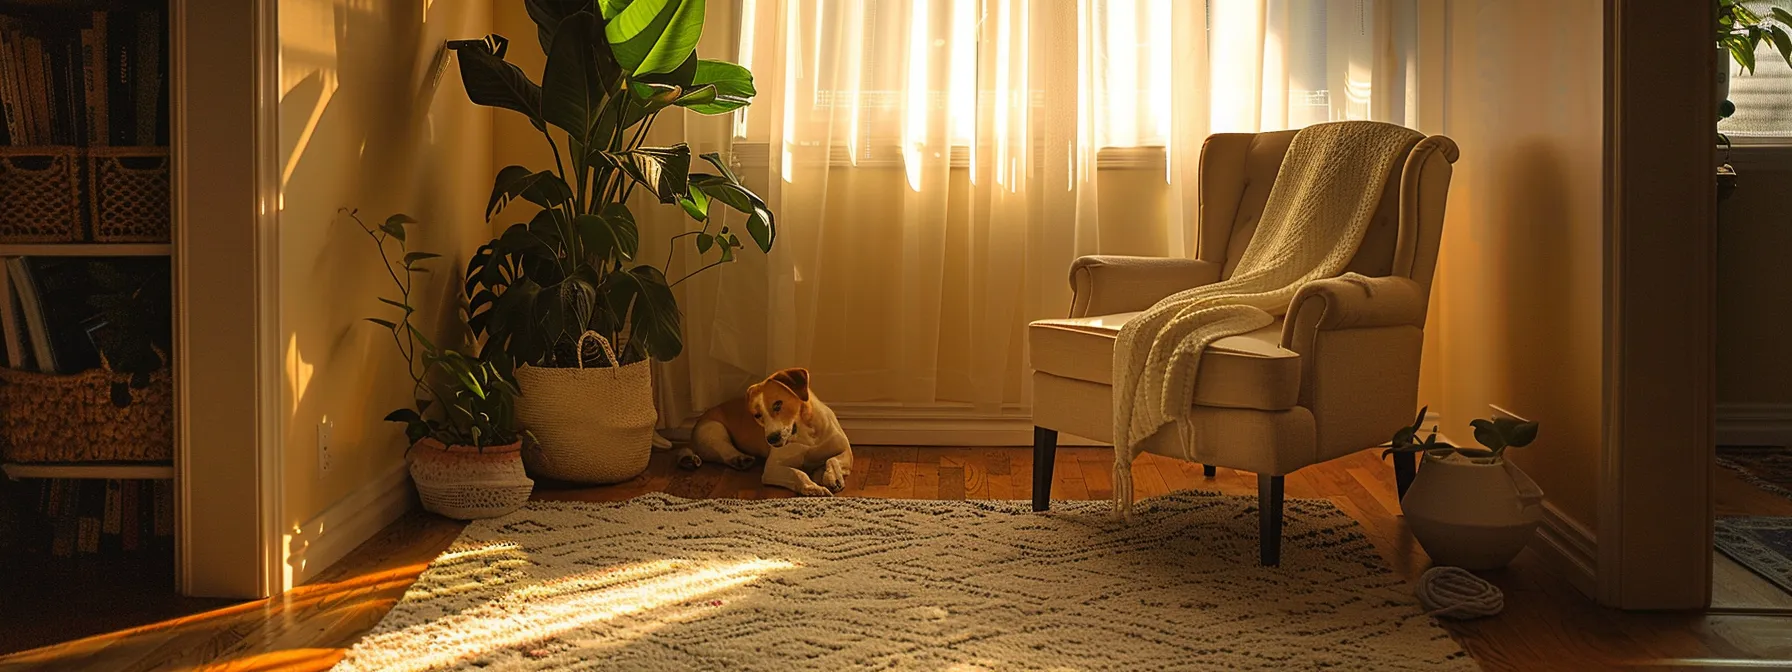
(1754, 424)
(345, 525)
(1570, 548)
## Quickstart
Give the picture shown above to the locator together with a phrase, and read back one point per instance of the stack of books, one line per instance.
(96, 80)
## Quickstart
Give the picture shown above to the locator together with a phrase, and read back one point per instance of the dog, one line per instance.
(780, 421)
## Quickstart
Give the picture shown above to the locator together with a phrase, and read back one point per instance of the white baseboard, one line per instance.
(354, 519)
(1570, 548)
(1754, 424)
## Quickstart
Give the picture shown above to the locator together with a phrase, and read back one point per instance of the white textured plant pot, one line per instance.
(467, 482)
(591, 425)
(1469, 514)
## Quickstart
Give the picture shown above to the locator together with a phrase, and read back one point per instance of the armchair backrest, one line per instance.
(1238, 169)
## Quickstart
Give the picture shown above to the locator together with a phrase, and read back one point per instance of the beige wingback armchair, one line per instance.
(1337, 374)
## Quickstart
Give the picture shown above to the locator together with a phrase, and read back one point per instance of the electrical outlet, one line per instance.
(325, 428)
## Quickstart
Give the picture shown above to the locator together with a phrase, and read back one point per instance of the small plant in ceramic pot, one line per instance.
(465, 453)
(1470, 507)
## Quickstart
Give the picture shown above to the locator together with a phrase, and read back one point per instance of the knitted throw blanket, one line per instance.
(1324, 194)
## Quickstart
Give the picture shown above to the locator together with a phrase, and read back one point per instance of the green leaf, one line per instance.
(414, 257)
(704, 242)
(548, 14)
(651, 36)
(578, 77)
(403, 415)
(696, 204)
(663, 170)
(612, 7)
(418, 334)
(492, 82)
(394, 225)
(384, 323)
(715, 159)
(541, 188)
(605, 238)
(1781, 42)
(733, 86)
(1487, 434)
(1522, 435)
(648, 306)
(401, 306)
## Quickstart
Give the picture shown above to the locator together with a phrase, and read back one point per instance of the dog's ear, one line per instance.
(797, 379)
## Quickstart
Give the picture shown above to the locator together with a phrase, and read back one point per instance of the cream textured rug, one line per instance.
(660, 582)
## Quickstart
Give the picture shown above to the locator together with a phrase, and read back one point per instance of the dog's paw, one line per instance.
(742, 461)
(813, 490)
(689, 460)
(832, 479)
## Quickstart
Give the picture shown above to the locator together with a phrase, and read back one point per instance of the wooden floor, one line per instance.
(1547, 624)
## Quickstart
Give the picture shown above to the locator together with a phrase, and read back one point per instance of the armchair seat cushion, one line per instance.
(1249, 371)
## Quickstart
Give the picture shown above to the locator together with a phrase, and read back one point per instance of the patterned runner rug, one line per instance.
(1763, 544)
(659, 582)
(1769, 469)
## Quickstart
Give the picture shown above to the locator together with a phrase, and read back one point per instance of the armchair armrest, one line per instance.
(1108, 284)
(1352, 302)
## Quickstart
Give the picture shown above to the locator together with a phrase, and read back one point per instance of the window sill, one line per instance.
(1760, 154)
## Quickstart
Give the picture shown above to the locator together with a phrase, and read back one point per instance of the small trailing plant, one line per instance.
(1495, 435)
(472, 403)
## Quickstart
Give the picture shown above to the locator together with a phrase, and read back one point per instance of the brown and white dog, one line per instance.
(783, 423)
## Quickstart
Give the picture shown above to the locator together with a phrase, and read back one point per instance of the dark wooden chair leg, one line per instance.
(1209, 470)
(1045, 450)
(1405, 467)
(1269, 519)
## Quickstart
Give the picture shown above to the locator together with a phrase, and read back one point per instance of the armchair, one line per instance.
(1332, 376)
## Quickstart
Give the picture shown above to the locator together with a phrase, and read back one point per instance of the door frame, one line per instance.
(224, 80)
(1655, 501)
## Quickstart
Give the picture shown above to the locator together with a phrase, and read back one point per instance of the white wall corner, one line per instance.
(321, 541)
(1754, 424)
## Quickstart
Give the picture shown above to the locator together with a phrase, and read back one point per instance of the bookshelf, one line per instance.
(153, 471)
(86, 404)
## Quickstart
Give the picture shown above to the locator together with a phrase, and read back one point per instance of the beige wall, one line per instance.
(1517, 311)
(1754, 284)
(372, 116)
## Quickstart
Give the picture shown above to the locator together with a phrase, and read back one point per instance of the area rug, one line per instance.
(1769, 469)
(1763, 544)
(660, 582)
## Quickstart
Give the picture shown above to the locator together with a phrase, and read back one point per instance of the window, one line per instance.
(875, 75)
(1764, 99)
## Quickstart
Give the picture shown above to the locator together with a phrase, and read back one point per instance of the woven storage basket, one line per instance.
(466, 483)
(590, 425)
(50, 417)
(130, 194)
(40, 195)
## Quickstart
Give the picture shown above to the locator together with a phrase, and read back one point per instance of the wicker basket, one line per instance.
(468, 483)
(40, 188)
(130, 194)
(49, 417)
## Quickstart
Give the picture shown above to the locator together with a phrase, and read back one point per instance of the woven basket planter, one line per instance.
(130, 194)
(467, 482)
(590, 425)
(40, 188)
(50, 417)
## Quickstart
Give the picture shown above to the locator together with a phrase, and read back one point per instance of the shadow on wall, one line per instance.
(372, 118)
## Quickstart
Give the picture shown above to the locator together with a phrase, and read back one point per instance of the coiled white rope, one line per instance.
(1454, 593)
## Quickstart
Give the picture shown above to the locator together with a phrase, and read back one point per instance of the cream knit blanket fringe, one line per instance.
(1324, 194)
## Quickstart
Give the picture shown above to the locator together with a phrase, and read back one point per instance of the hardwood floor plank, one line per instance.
(952, 485)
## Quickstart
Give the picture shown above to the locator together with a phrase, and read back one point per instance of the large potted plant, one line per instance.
(1470, 507)
(562, 298)
(466, 453)
(1740, 31)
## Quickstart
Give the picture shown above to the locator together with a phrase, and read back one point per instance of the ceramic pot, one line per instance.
(468, 482)
(1473, 513)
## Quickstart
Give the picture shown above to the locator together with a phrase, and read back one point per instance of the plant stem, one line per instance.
(687, 276)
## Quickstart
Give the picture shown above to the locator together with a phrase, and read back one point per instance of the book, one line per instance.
(101, 131)
(130, 515)
(16, 356)
(121, 73)
(93, 510)
(113, 523)
(9, 94)
(149, 75)
(30, 307)
(38, 79)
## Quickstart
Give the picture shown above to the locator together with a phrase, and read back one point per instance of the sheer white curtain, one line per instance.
(935, 166)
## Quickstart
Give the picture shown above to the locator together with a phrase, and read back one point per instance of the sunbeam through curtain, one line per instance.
(935, 166)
